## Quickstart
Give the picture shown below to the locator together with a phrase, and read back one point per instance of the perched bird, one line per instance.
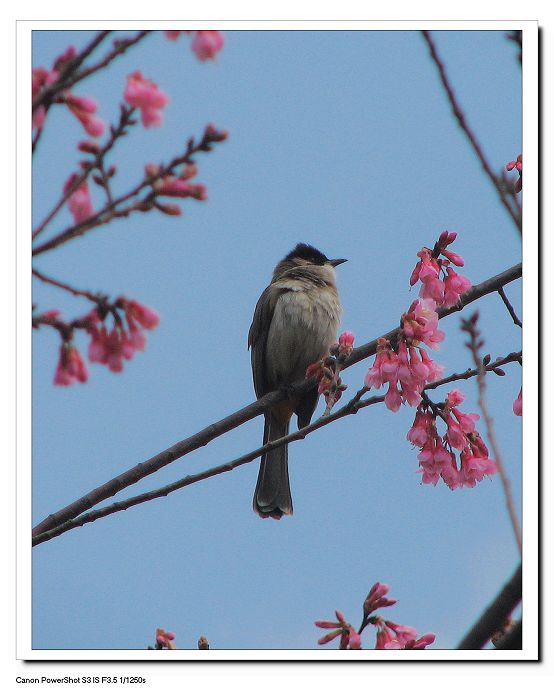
(295, 322)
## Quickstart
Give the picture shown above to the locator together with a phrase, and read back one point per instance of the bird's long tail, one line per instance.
(272, 497)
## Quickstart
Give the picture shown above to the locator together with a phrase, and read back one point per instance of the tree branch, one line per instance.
(352, 407)
(203, 437)
(459, 114)
(110, 211)
(470, 326)
(493, 617)
(116, 132)
(69, 76)
(510, 308)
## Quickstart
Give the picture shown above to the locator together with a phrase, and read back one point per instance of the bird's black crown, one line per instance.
(308, 252)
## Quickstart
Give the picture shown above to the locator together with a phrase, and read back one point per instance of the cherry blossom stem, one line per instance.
(95, 298)
(111, 211)
(125, 120)
(352, 407)
(70, 76)
(470, 326)
(459, 114)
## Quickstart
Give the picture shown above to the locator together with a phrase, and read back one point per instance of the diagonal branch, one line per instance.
(493, 617)
(111, 211)
(203, 437)
(460, 116)
(70, 75)
(351, 408)
(510, 308)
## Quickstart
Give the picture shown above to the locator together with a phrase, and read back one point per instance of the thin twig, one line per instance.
(96, 298)
(352, 407)
(459, 114)
(470, 326)
(510, 308)
(206, 435)
(116, 132)
(69, 76)
(110, 211)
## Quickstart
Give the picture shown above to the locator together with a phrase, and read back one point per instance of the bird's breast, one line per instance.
(304, 325)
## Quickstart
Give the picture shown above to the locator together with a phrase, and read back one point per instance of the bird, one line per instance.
(295, 322)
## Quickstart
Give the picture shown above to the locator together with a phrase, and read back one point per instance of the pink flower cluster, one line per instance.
(79, 201)
(393, 636)
(437, 458)
(84, 108)
(112, 347)
(176, 186)
(349, 638)
(445, 291)
(206, 44)
(146, 96)
(389, 634)
(70, 367)
(405, 370)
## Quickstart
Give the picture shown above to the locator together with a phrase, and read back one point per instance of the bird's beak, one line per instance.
(338, 261)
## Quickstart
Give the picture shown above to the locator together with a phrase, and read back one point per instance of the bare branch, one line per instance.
(493, 617)
(470, 326)
(459, 114)
(510, 308)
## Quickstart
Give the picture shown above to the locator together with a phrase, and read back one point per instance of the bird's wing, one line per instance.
(257, 337)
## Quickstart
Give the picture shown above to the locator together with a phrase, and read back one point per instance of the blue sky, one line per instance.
(343, 140)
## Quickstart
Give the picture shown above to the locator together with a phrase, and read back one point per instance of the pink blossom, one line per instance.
(354, 640)
(40, 78)
(376, 598)
(466, 420)
(393, 400)
(165, 639)
(146, 317)
(434, 370)
(446, 238)
(517, 164)
(404, 637)
(383, 366)
(454, 258)
(346, 342)
(79, 202)
(84, 108)
(384, 637)
(420, 324)
(455, 435)
(433, 458)
(423, 429)
(455, 398)
(454, 286)
(178, 187)
(518, 404)
(207, 44)
(172, 34)
(70, 366)
(145, 94)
